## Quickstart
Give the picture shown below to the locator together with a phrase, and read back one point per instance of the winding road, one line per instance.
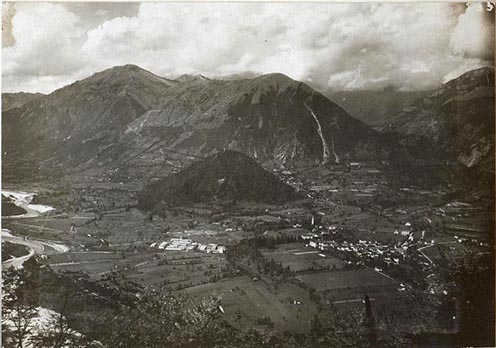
(430, 246)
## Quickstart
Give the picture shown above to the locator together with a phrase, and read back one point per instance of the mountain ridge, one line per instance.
(457, 117)
(128, 119)
(18, 99)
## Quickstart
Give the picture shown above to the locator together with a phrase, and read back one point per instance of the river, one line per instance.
(23, 200)
(36, 247)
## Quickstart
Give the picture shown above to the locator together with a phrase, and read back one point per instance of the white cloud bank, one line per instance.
(337, 46)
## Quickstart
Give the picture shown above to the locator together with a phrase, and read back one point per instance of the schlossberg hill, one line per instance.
(225, 176)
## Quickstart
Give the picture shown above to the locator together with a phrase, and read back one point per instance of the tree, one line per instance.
(56, 333)
(159, 319)
(19, 295)
(475, 277)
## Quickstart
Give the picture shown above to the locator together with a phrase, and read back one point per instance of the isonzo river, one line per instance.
(35, 247)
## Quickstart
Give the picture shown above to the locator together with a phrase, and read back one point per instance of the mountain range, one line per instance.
(125, 123)
(128, 119)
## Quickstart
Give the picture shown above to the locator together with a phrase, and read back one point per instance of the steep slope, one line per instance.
(373, 107)
(271, 117)
(225, 176)
(72, 124)
(458, 118)
(127, 122)
(15, 100)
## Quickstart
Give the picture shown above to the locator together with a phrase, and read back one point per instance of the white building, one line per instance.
(220, 249)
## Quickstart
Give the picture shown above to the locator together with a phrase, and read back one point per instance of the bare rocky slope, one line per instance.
(458, 118)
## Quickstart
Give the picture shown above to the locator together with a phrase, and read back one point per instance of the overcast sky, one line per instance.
(330, 46)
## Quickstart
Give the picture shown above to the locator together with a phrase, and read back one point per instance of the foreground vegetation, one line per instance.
(120, 313)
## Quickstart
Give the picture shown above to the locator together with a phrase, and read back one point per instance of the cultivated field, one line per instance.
(300, 258)
(245, 301)
(339, 280)
(170, 269)
(343, 287)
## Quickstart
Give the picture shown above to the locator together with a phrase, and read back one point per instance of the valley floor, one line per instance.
(357, 233)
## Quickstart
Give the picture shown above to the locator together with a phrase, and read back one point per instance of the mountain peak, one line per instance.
(128, 67)
(276, 78)
(125, 73)
(274, 82)
(123, 69)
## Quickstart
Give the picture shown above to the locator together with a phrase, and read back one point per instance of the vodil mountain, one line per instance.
(127, 122)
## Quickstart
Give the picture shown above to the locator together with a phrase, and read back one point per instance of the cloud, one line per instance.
(473, 35)
(8, 12)
(45, 48)
(335, 46)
